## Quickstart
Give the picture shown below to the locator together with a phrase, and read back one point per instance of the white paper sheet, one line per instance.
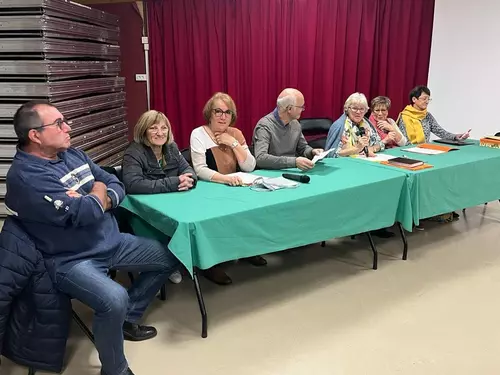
(321, 156)
(247, 178)
(377, 157)
(425, 151)
(280, 182)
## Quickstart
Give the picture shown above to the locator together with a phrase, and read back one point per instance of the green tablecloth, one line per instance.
(215, 223)
(459, 179)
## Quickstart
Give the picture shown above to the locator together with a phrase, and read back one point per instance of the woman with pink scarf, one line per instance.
(386, 127)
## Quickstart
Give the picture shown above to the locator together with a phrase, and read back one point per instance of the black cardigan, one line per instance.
(143, 175)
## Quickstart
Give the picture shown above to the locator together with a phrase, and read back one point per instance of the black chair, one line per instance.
(315, 131)
(186, 153)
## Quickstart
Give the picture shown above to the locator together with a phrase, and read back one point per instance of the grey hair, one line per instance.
(286, 101)
(356, 98)
(27, 118)
(381, 101)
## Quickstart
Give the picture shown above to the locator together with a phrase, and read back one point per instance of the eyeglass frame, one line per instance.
(303, 107)
(59, 122)
(157, 131)
(425, 100)
(357, 110)
(217, 114)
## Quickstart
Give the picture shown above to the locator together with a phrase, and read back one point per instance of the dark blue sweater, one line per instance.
(66, 230)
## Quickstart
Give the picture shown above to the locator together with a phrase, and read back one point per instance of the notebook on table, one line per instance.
(405, 162)
(455, 142)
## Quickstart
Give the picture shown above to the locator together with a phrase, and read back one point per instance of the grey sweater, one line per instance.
(276, 145)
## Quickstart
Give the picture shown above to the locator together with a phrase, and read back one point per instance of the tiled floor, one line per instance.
(316, 311)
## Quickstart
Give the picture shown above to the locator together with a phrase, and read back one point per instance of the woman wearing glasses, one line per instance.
(385, 126)
(152, 163)
(417, 124)
(218, 149)
(352, 132)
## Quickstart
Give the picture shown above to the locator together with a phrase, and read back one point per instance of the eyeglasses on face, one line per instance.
(156, 130)
(380, 110)
(59, 122)
(426, 99)
(357, 109)
(219, 112)
(302, 107)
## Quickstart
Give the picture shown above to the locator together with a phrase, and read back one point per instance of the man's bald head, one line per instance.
(290, 105)
(290, 97)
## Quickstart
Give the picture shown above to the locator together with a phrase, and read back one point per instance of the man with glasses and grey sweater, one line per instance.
(278, 142)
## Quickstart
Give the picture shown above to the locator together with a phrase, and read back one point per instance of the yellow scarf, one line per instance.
(412, 119)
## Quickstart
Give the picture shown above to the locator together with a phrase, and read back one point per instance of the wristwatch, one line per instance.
(235, 143)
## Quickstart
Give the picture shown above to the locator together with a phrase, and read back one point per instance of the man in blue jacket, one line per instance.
(64, 200)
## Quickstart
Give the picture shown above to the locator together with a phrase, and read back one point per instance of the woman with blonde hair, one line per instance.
(217, 150)
(352, 133)
(152, 163)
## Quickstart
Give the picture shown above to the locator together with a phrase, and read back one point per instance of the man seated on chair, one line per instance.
(278, 141)
(64, 203)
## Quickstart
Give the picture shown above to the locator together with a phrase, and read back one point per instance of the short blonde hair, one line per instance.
(147, 120)
(356, 98)
(209, 106)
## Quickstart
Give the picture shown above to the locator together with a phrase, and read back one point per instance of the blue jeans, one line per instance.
(89, 283)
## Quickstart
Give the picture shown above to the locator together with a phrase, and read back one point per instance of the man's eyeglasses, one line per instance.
(219, 112)
(302, 107)
(427, 99)
(59, 122)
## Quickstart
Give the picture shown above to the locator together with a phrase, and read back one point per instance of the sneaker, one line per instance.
(175, 278)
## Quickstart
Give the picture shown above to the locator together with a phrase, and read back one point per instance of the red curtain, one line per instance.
(252, 49)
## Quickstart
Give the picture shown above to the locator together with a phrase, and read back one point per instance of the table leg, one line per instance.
(405, 241)
(201, 303)
(374, 249)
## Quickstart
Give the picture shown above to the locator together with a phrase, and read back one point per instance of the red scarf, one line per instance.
(382, 133)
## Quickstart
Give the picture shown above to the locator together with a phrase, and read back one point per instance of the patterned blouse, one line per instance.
(352, 133)
(429, 125)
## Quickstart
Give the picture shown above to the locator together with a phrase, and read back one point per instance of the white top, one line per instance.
(200, 142)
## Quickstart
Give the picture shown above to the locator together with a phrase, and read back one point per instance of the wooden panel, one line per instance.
(89, 2)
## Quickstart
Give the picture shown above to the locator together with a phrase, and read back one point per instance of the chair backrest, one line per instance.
(186, 153)
(315, 131)
(311, 126)
(116, 171)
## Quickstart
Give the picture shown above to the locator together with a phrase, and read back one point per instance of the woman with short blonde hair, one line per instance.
(152, 163)
(148, 119)
(352, 133)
